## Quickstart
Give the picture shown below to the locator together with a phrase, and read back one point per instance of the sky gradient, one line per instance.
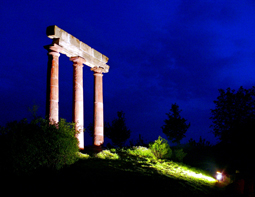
(160, 53)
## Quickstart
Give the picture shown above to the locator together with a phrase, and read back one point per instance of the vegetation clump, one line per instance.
(138, 163)
(179, 155)
(107, 154)
(161, 149)
(141, 152)
(27, 146)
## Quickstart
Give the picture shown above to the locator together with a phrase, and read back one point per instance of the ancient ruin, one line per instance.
(79, 53)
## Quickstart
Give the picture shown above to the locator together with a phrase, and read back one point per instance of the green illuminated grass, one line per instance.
(161, 176)
(121, 172)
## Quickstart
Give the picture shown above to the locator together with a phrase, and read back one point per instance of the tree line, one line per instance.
(233, 123)
(175, 128)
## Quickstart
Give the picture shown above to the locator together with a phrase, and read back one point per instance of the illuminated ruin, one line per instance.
(80, 54)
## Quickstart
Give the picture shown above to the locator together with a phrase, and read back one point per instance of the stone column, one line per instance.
(78, 114)
(52, 109)
(98, 109)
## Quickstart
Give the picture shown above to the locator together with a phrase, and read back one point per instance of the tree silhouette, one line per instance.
(139, 142)
(234, 115)
(233, 123)
(175, 127)
(202, 143)
(117, 131)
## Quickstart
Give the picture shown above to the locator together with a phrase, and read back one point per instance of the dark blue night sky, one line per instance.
(160, 53)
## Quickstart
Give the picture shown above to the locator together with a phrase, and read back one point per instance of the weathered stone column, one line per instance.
(52, 109)
(78, 116)
(98, 109)
(80, 53)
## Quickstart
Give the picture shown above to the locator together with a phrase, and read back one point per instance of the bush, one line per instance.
(179, 155)
(29, 146)
(113, 150)
(141, 151)
(61, 144)
(106, 154)
(161, 149)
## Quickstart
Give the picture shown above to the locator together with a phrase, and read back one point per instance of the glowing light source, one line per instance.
(219, 176)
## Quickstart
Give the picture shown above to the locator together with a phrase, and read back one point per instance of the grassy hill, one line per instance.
(123, 172)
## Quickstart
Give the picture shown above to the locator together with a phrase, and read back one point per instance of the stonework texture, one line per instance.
(79, 53)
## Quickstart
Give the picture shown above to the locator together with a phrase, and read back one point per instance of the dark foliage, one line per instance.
(139, 142)
(26, 146)
(202, 143)
(175, 127)
(90, 129)
(234, 115)
(198, 152)
(178, 155)
(117, 131)
(234, 122)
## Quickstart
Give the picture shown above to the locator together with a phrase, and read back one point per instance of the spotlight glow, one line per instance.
(200, 176)
(219, 176)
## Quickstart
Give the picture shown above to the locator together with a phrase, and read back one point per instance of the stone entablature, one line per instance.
(73, 47)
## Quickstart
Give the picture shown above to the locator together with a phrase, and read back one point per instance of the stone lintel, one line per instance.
(73, 47)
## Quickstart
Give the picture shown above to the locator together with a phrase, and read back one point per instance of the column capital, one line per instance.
(54, 49)
(97, 70)
(77, 61)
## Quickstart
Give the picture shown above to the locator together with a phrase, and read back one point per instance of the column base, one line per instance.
(97, 149)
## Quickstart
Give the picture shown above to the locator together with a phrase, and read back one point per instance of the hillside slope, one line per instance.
(125, 175)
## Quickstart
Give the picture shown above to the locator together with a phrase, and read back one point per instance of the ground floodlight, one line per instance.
(219, 176)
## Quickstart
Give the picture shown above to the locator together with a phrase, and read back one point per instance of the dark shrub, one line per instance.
(179, 155)
(27, 146)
